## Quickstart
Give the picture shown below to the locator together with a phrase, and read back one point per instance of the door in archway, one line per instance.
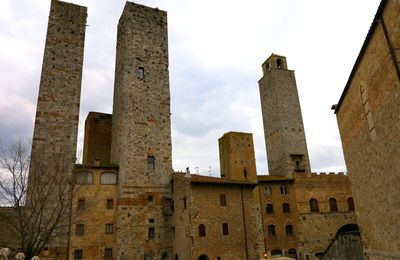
(204, 257)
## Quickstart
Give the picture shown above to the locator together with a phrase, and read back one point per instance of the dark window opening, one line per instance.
(109, 228)
(350, 204)
(289, 230)
(245, 173)
(184, 202)
(333, 205)
(81, 204)
(202, 230)
(284, 189)
(80, 229)
(151, 220)
(110, 204)
(225, 229)
(108, 253)
(268, 190)
(150, 198)
(151, 163)
(140, 73)
(78, 254)
(279, 63)
(222, 198)
(270, 208)
(271, 231)
(286, 207)
(151, 233)
(314, 205)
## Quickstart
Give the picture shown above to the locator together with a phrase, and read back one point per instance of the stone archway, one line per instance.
(204, 257)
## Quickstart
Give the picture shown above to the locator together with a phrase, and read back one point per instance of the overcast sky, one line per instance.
(216, 48)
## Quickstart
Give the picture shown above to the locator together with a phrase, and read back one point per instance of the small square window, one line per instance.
(150, 198)
(81, 204)
(140, 73)
(109, 228)
(78, 254)
(108, 252)
(222, 198)
(110, 204)
(225, 229)
(80, 229)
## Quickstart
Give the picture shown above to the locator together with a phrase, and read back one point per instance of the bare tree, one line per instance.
(37, 194)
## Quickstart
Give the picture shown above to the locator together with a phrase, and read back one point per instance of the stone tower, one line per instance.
(236, 156)
(283, 124)
(57, 113)
(141, 134)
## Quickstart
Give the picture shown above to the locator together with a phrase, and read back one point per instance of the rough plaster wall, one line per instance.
(141, 128)
(373, 161)
(283, 123)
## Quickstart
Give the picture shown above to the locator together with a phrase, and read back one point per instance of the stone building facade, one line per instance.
(368, 118)
(131, 205)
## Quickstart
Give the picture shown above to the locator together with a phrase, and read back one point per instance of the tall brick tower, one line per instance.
(283, 124)
(57, 113)
(236, 156)
(141, 134)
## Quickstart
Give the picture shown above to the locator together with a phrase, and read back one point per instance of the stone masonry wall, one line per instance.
(57, 113)
(318, 229)
(237, 159)
(141, 131)
(97, 142)
(283, 124)
(368, 120)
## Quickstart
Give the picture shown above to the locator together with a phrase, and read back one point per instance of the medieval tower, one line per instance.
(141, 134)
(57, 113)
(283, 124)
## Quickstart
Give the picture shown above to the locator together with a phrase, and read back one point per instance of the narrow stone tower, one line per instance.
(141, 134)
(283, 124)
(57, 113)
(236, 156)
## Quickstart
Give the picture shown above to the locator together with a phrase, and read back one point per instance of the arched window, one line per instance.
(151, 163)
(314, 205)
(285, 207)
(176, 257)
(333, 205)
(270, 208)
(202, 230)
(289, 230)
(151, 221)
(108, 178)
(204, 257)
(350, 203)
(271, 230)
(84, 177)
(151, 233)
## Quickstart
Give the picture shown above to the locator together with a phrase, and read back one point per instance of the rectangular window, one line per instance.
(109, 228)
(80, 229)
(78, 254)
(225, 229)
(81, 204)
(284, 189)
(108, 253)
(110, 204)
(150, 198)
(222, 198)
(151, 163)
(268, 190)
(184, 202)
(140, 73)
(152, 233)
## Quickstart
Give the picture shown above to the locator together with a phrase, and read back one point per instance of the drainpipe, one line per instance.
(244, 224)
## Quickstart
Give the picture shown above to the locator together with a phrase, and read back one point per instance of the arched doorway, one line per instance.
(204, 257)
(276, 252)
